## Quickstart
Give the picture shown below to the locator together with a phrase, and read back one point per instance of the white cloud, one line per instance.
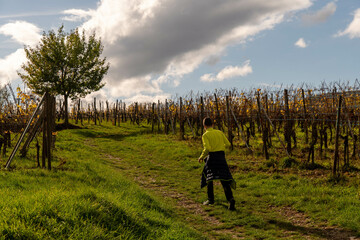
(156, 42)
(301, 43)
(100, 95)
(141, 98)
(229, 72)
(9, 65)
(29, 14)
(320, 16)
(74, 15)
(22, 32)
(353, 30)
(131, 86)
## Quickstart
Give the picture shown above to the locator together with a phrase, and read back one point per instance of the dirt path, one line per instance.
(189, 206)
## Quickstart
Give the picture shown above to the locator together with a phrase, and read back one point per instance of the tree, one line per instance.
(67, 64)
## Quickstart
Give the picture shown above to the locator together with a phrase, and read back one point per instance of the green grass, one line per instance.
(83, 199)
(91, 193)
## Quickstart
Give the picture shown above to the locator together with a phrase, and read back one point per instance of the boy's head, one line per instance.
(207, 122)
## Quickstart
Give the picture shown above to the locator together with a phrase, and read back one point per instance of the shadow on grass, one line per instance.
(113, 218)
(326, 233)
(111, 136)
(63, 126)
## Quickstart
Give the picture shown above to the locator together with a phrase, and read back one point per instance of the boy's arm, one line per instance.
(206, 149)
(226, 141)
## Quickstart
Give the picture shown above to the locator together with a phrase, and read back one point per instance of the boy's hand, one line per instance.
(200, 160)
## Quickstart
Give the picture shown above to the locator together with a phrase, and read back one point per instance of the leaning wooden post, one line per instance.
(287, 122)
(229, 122)
(336, 153)
(23, 133)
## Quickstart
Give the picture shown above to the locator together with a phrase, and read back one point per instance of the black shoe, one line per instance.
(232, 205)
(208, 202)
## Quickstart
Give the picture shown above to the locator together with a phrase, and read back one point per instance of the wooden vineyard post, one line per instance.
(201, 114)
(136, 117)
(152, 117)
(44, 145)
(119, 113)
(287, 132)
(88, 113)
(229, 122)
(336, 152)
(115, 111)
(59, 115)
(125, 115)
(77, 112)
(305, 117)
(100, 113)
(263, 128)
(267, 122)
(107, 111)
(173, 118)
(81, 113)
(218, 120)
(95, 111)
(166, 125)
(181, 121)
(47, 130)
(159, 116)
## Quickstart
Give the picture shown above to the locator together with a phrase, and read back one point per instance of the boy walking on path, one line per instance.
(216, 168)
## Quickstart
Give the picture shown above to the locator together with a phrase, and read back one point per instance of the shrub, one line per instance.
(288, 162)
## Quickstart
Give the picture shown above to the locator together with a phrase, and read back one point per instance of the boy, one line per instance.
(216, 168)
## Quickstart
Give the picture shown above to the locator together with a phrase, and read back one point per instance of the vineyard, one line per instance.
(306, 124)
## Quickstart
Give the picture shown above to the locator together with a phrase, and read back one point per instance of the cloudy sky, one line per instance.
(159, 48)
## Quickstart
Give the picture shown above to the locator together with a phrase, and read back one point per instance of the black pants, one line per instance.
(227, 190)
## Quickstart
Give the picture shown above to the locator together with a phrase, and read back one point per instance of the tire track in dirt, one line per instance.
(183, 202)
(300, 222)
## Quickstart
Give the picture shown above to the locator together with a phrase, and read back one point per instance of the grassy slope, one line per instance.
(91, 197)
(83, 199)
(172, 164)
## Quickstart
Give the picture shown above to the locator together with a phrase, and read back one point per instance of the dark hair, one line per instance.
(208, 122)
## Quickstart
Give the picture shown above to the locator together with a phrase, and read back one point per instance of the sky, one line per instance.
(161, 48)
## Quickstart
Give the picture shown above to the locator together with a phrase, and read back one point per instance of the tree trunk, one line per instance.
(66, 110)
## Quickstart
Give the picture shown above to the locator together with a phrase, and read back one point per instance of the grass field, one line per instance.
(126, 183)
